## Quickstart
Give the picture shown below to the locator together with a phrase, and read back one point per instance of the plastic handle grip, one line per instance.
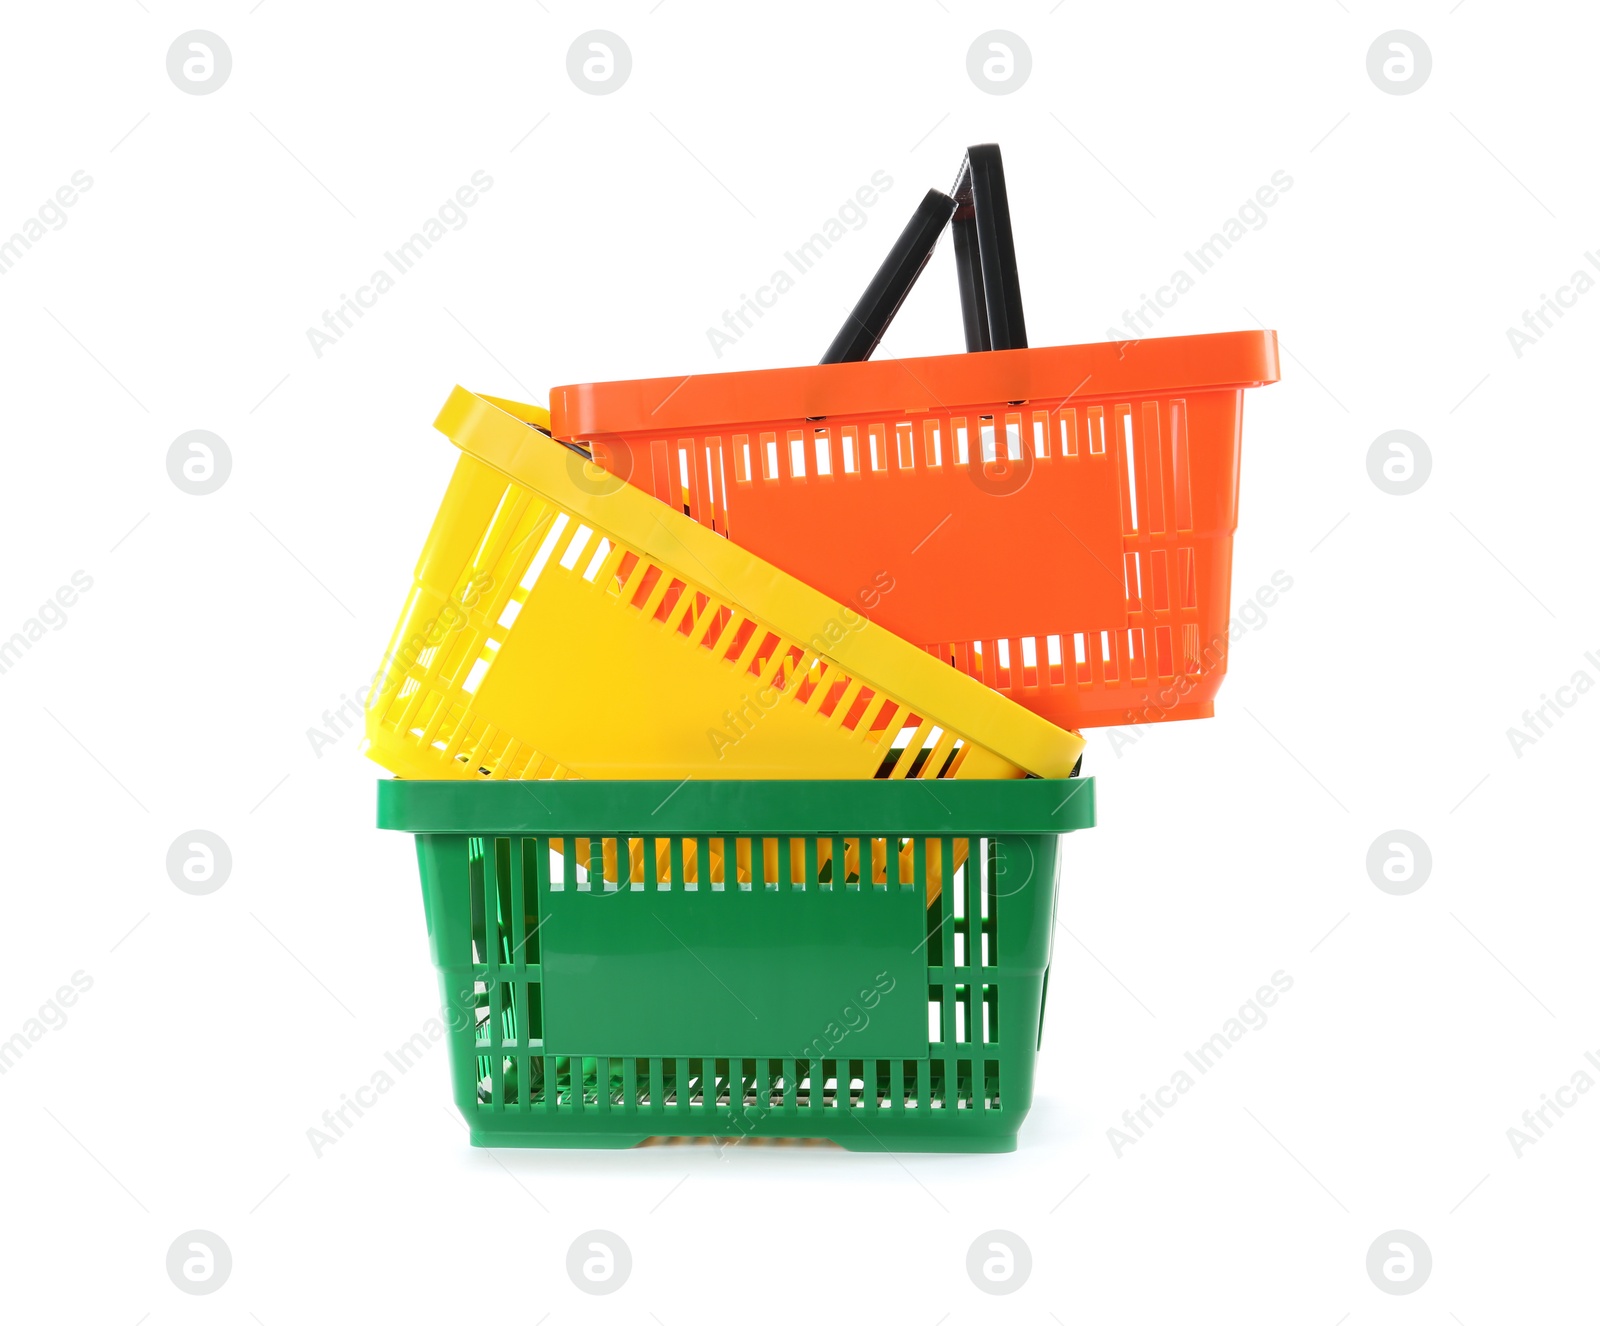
(875, 310)
(979, 215)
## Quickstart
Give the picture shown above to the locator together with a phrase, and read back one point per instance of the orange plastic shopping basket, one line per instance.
(1058, 523)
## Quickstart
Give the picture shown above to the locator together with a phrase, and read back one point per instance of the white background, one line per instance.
(1376, 696)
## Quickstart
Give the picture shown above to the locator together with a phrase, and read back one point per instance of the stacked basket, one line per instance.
(734, 714)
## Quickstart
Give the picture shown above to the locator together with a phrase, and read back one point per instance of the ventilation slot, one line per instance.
(1131, 471)
(1183, 511)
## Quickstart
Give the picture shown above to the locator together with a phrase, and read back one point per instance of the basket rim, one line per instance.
(1045, 376)
(742, 807)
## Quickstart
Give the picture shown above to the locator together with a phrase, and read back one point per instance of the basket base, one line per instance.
(563, 1141)
(853, 1135)
(966, 1145)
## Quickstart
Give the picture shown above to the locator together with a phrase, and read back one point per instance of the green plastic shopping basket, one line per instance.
(601, 987)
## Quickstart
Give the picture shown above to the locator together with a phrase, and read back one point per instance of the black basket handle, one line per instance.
(875, 310)
(986, 264)
(986, 260)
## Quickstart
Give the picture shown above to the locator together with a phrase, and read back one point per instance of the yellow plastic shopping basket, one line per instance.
(565, 624)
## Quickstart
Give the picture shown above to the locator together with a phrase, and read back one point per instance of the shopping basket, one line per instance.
(562, 624)
(1055, 522)
(590, 1009)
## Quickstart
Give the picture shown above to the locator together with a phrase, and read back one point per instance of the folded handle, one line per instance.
(875, 310)
(986, 259)
(986, 264)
